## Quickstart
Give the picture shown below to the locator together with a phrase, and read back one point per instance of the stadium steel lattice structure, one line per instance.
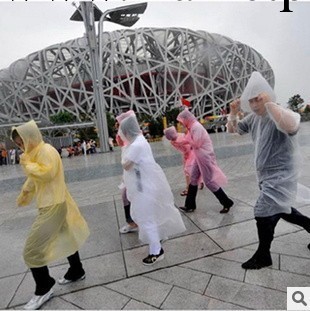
(145, 69)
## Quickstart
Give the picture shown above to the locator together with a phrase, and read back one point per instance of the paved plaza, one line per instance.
(202, 266)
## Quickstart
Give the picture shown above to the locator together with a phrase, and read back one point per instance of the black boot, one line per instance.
(190, 201)
(224, 200)
(75, 271)
(265, 230)
(44, 282)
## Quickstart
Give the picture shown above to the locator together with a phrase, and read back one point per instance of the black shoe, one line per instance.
(229, 203)
(309, 247)
(256, 264)
(151, 259)
(186, 209)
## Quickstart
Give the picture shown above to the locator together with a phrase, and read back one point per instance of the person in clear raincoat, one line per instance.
(179, 142)
(205, 164)
(152, 202)
(59, 229)
(273, 130)
(130, 225)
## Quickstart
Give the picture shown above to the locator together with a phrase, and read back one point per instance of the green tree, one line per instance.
(295, 102)
(63, 117)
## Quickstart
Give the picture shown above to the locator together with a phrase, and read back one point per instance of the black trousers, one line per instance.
(44, 282)
(266, 226)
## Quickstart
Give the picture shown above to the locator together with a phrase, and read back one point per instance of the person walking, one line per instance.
(59, 229)
(178, 141)
(205, 164)
(273, 130)
(152, 202)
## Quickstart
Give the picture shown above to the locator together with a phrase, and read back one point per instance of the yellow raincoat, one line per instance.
(59, 230)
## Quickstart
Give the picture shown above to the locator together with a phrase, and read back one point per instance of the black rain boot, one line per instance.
(224, 200)
(75, 271)
(262, 257)
(44, 282)
(190, 201)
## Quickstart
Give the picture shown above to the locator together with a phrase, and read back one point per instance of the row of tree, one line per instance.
(155, 126)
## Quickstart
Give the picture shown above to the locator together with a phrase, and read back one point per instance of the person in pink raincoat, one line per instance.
(179, 142)
(205, 164)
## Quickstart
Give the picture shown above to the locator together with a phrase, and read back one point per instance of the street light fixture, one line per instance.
(89, 13)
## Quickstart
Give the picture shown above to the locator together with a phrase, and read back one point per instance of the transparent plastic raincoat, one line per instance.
(179, 142)
(59, 230)
(152, 202)
(275, 149)
(201, 143)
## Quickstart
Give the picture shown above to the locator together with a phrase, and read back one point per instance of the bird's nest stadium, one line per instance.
(144, 69)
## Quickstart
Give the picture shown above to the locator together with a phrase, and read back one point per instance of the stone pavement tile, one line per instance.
(99, 270)
(246, 295)
(295, 264)
(142, 289)
(137, 305)
(244, 233)
(182, 299)
(102, 222)
(291, 248)
(244, 188)
(57, 303)
(13, 233)
(94, 191)
(177, 250)
(194, 281)
(97, 298)
(208, 217)
(243, 254)
(218, 266)
(276, 279)
(8, 287)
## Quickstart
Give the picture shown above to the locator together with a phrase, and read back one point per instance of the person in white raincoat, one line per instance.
(59, 229)
(152, 202)
(273, 130)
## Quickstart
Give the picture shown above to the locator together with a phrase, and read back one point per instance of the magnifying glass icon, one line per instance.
(299, 300)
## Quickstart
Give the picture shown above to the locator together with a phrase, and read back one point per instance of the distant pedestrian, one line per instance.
(59, 229)
(273, 130)
(205, 164)
(152, 202)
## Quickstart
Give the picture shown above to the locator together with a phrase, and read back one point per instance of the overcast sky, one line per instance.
(283, 39)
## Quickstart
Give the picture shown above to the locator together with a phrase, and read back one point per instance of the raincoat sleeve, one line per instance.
(27, 193)
(286, 120)
(244, 125)
(46, 166)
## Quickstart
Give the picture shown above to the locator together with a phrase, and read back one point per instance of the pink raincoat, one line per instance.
(200, 141)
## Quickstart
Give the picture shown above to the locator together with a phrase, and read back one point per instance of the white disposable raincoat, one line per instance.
(59, 230)
(152, 202)
(275, 147)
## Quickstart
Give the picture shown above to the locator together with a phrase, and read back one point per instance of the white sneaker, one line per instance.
(127, 229)
(63, 281)
(37, 301)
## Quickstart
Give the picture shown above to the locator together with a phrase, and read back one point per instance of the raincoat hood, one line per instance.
(186, 118)
(30, 134)
(129, 129)
(171, 133)
(256, 85)
(124, 115)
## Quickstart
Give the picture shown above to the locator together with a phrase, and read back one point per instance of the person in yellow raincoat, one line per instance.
(59, 229)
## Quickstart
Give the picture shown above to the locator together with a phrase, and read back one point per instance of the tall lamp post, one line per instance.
(89, 13)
